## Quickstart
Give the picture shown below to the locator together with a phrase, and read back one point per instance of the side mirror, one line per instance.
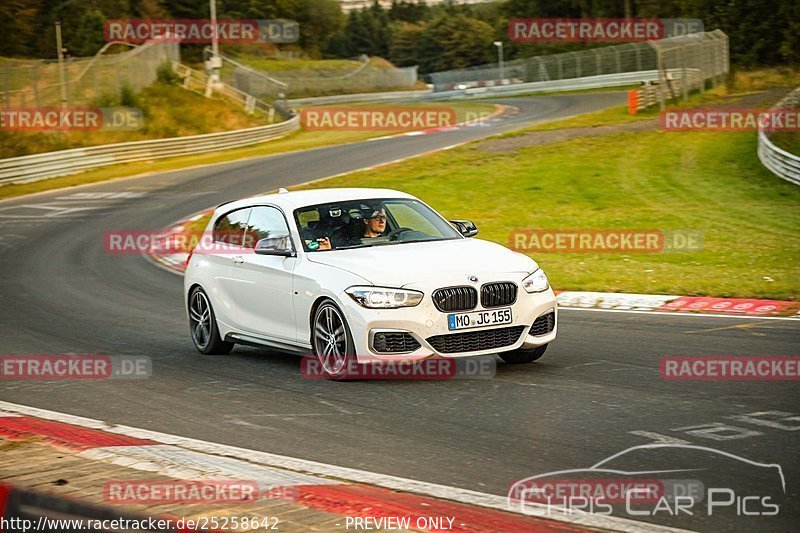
(280, 244)
(465, 227)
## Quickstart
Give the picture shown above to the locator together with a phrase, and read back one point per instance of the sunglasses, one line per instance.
(381, 218)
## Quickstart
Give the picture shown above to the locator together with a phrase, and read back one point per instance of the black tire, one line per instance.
(203, 325)
(336, 354)
(516, 357)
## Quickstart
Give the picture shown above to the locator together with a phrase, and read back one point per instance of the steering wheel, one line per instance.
(395, 232)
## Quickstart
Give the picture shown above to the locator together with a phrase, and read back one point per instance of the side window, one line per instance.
(406, 216)
(265, 222)
(230, 228)
(307, 218)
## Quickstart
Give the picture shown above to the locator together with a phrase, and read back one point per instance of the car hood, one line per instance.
(452, 261)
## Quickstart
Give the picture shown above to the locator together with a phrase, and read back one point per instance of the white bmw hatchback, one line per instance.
(362, 275)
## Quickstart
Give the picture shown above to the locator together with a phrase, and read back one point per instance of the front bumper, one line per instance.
(425, 321)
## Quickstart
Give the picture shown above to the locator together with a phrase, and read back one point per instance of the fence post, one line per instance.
(6, 88)
(662, 79)
(597, 64)
(35, 84)
(684, 74)
(638, 59)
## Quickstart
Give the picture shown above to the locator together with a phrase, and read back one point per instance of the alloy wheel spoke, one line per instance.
(198, 333)
(327, 355)
(339, 335)
(329, 319)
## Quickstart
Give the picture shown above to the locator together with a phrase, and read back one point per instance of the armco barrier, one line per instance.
(360, 97)
(779, 161)
(52, 164)
(572, 84)
(608, 81)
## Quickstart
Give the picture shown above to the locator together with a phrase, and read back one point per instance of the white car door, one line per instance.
(227, 236)
(264, 283)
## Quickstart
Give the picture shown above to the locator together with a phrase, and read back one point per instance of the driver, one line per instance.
(375, 224)
(368, 227)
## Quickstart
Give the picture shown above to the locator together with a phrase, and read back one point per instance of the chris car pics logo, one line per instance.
(680, 482)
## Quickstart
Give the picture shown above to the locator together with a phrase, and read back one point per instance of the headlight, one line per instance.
(383, 297)
(536, 282)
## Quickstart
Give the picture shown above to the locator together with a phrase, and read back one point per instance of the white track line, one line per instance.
(455, 494)
(674, 313)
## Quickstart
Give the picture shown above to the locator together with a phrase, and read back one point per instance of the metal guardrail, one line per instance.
(359, 97)
(778, 161)
(65, 162)
(572, 84)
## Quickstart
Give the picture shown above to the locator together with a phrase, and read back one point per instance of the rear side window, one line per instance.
(265, 222)
(230, 228)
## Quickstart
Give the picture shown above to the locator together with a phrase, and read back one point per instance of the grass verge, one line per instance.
(168, 111)
(302, 140)
(708, 182)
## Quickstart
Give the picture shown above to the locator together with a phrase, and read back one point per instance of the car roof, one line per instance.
(293, 199)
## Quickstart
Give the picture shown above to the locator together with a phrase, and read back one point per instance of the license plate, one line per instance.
(477, 319)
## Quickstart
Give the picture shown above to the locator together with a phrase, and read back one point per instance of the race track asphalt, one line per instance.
(597, 391)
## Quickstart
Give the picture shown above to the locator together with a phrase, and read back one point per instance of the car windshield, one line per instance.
(370, 222)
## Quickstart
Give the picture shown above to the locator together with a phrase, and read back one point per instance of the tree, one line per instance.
(319, 21)
(367, 32)
(409, 11)
(456, 42)
(405, 49)
(18, 25)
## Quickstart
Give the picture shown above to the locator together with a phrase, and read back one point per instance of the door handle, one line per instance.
(238, 259)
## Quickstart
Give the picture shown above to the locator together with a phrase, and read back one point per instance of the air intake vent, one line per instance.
(394, 342)
(544, 324)
(475, 341)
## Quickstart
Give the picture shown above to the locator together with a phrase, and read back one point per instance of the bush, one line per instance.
(165, 74)
(128, 97)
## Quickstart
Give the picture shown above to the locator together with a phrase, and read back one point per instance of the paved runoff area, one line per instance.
(195, 485)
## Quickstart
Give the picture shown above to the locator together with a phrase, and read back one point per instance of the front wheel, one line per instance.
(203, 325)
(333, 343)
(523, 356)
